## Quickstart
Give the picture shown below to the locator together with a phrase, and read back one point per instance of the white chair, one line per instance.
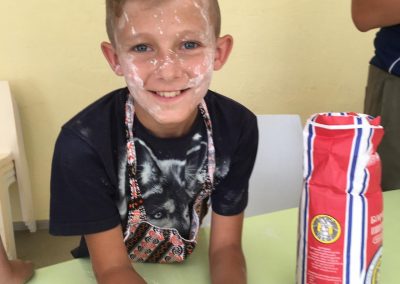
(13, 167)
(7, 177)
(277, 177)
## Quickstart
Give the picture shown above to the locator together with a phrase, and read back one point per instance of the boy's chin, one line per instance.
(176, 118)
(172, 124)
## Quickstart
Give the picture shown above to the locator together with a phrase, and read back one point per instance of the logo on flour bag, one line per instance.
(374, 268)
(325, 229)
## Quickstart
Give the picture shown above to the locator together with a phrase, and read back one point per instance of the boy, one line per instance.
(133, 172)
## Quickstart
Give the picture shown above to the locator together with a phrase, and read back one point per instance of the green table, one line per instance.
(269, 243)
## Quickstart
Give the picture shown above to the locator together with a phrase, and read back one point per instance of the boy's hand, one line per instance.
(19, 272)
(110, 260)
(227, 262)
(14, 271)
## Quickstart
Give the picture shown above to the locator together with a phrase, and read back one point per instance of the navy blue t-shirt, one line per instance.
(387, 50)
(89, 188)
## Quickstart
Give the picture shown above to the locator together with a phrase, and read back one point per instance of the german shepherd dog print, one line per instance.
(170, 186)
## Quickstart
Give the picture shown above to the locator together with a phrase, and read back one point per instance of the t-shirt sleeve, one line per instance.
(81, 200)
(230, 196)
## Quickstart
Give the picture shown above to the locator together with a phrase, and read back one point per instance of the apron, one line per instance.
(144, 241)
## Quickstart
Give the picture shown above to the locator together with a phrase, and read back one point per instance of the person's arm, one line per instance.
(14, 271)
(109, 258)
(227, 262)
(370, 14)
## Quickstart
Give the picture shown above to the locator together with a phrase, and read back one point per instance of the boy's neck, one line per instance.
(172, 130)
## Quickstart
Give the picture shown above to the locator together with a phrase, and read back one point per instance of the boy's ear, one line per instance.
(223, 49)
(112, 57)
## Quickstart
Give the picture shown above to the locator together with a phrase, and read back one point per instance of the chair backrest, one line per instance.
(11, 141)
(277, 177)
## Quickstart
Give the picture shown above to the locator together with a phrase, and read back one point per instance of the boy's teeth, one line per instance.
(168, 94)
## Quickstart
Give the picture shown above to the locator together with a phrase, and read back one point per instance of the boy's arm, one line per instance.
(109, 258)
(370, 14)
(227, 262)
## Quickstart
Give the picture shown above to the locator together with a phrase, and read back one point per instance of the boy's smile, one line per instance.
(167, 54)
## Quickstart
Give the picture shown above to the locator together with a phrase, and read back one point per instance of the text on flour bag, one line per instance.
(341, 210)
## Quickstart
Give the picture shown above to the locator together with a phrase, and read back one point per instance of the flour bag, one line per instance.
(341, 210)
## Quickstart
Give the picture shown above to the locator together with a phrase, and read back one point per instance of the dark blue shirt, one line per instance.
(387, 50)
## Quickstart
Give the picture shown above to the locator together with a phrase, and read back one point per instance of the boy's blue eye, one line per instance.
(190, 45)
(141, 48)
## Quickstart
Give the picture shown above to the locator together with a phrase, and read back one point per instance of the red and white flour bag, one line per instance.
(341, 210)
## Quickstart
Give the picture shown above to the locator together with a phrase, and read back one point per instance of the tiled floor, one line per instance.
(44, 249)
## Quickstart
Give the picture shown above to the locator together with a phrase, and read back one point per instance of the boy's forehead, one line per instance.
(132, 6)
(162, 13)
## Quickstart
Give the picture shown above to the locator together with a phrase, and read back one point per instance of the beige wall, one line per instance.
(290, 56)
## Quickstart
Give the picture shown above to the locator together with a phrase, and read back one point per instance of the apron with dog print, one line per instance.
(149, 243)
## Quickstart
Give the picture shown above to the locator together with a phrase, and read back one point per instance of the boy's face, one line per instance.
(167, 53)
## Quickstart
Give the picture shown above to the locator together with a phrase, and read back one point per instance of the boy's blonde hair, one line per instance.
(114, 11)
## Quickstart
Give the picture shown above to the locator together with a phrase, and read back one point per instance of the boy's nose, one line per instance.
(169, 67)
